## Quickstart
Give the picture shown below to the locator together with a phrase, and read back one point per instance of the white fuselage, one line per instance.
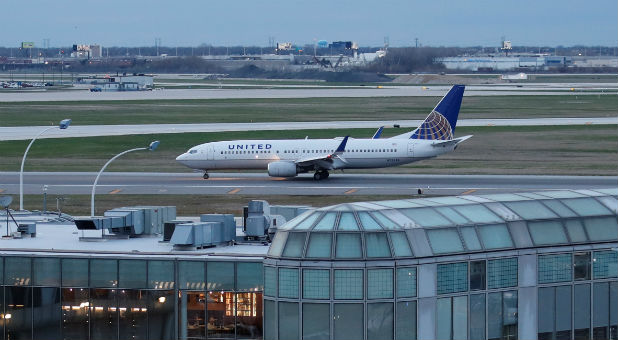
(359, 153)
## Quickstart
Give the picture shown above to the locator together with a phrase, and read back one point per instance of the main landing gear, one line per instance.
(320, 174)
(205, 175)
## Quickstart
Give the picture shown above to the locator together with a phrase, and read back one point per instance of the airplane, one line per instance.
(290, 157)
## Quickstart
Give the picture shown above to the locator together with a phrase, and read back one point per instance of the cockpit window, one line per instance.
(192, 151)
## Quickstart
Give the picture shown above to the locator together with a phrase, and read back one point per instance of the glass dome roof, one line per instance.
(445, 225)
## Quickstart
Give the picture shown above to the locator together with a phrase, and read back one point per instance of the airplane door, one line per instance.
(210, 153)
(410, 149)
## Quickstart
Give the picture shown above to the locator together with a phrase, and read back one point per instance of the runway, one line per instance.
(27, 132)
(65, 183)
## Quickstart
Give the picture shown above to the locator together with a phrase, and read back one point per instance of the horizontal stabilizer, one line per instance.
(451, 142)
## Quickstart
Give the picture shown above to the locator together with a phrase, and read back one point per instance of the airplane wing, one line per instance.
(450, 142)
(324, 161)
(378, 133)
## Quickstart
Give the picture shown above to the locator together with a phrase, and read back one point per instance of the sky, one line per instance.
(251, 22)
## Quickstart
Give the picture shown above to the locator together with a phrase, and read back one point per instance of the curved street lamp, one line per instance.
(64, 124)
(150, 147)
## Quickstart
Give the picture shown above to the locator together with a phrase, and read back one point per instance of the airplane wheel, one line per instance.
(206, 175)
(325, 174)
(317, 176)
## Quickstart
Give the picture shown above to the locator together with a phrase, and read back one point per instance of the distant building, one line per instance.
(86, 51)
(136, 82)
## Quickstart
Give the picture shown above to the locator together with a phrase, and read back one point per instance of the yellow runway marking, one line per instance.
(351, 191)
(115, 191)
(234, 191)
(468, 192)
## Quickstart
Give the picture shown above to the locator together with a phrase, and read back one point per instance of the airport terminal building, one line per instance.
(540, 265)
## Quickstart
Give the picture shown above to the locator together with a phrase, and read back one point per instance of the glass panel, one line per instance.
(460, 318)
(368, 222)
(406, 282)
(502, 273)
(191, 275)
(477, 275)
(220, 275)
(220, 310)
(581, 311)
(348, 319)
(477, 316)
(586, 206)
(444, 319)
(602, 228)
(559, 208)
(296, 220)
(405, 327)
(452, 277)
(316, 321)
(547, 232)
(348, 284)
(308, 222)
(327, 222)
(509, 311)
(546, 313)
(161, 314)
(191, 315)
(478, 213)
(248, 315)
(494, 315)
(47, 318)
(495, 236)
(563, 312)
(380, 319)
(270, 319)
(161, 274)
(554, 268)
(18, 304)
(132, 313)
(295, 245)
(379, 283)
(449, 200)
(348, 246)
(452, 215)
(103, 314)
(132, 274)
(249, 276)
(581, 266)
(401, 247)
(17, 271)
(530, 210)
(613, 310)
(46, 271)
(288, 320)
(347, 222)
(605, 264)
(397, 204)
(316, 284)
(444, 241)
(600, 316)
(384, 221)
(320, 245)
(426, 217)
(576, 231)
(561, 194)
(376, 245)
(75, 320)
(270, 281)
(276, 246)
(288, 283)
(470, 238)
(103, 273)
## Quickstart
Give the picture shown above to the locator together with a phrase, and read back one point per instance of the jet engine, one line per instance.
(282, 169)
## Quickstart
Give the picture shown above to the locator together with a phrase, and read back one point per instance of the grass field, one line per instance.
(548, 150)
(309, 109)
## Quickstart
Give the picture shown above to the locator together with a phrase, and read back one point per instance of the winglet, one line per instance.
(378, 133)
(341, 146)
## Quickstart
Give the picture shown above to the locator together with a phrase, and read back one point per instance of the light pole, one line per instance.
(150, 147)
(63, 125)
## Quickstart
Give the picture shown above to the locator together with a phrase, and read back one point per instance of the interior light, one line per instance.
(162, 299)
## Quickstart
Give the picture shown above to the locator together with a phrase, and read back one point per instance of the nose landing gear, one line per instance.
(205, 175)
(320, 174)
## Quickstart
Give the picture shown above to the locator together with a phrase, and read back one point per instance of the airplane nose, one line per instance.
(181, 158)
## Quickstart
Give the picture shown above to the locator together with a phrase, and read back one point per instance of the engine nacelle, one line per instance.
(282, 169)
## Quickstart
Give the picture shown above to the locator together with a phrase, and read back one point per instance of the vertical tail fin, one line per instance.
(440, 123)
